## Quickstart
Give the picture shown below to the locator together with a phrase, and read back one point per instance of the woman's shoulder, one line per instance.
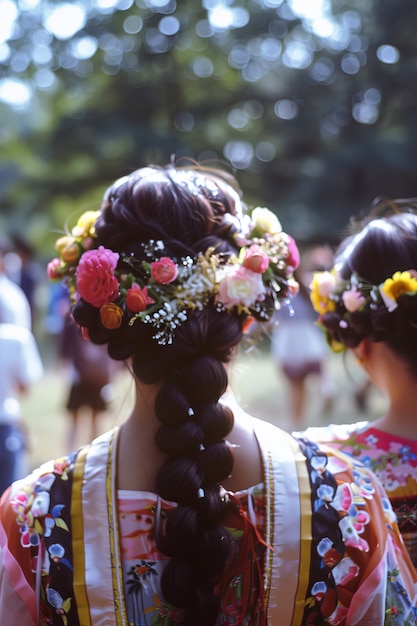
(30, 489)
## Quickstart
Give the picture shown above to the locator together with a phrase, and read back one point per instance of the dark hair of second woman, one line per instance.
(385, 246)
(194, 424)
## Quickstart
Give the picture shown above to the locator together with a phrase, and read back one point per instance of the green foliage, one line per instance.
(315, 127)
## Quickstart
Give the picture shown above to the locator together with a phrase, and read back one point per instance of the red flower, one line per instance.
(255, 259)
(137, 299)
(164, 271)
(96, 282)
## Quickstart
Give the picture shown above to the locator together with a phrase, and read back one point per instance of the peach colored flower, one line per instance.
(96, 282)
(255, 259)
(68, 249)
(111, 315)
(164, 271)
(240, 286)
(137, 299)
(353, 300)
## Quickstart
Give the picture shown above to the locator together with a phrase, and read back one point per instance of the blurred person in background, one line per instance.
(90, 372)
(368, 305)
(14, 305)
(28, 273)
(192, 512)
(298, 346)
(20, 367)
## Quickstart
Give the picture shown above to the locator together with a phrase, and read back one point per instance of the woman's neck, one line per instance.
(394, 377)
(401, 424)
(138, 456)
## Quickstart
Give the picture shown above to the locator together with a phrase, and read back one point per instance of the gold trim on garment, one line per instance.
(114, 537)
(269, 504)
(305, 533)
(78, 545)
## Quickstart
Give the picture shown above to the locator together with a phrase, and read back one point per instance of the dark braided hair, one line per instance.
(190, 213)
(383, 246)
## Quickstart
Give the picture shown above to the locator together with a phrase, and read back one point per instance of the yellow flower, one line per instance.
(322, 287)
(265, 221)
(85, 225)
(401, 283)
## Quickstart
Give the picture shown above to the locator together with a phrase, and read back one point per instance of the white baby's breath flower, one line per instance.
(195, 287)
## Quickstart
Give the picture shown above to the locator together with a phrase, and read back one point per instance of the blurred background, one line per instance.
(311, 103)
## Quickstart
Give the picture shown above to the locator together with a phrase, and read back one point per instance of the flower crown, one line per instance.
(160, 290)
(328, 293)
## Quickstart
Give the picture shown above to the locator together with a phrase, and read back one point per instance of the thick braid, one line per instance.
(193, 427)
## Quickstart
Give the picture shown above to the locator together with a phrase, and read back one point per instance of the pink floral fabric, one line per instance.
(143, 563)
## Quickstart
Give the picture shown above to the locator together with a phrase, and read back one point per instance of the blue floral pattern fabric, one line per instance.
(391, 458)
(339, 524)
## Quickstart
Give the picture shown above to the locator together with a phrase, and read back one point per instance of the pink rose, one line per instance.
(164, 271)
(293, 258)
(353, 300)
(137, 299)
(255, 259)
(240, 286)
(96, 282)
(53, 269)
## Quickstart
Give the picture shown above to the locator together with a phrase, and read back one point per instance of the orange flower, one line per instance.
(137, 299)
(111, 315)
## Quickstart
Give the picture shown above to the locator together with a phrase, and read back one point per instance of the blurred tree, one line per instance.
(311, 100)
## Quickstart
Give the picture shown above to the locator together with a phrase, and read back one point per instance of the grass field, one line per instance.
(254, 378)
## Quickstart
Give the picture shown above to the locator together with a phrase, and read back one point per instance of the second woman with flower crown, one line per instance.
(368, 304)
(192, 512)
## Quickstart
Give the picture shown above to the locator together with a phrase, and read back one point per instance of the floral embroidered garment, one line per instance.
(393, 459)
(143, 563)
(74, 552)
